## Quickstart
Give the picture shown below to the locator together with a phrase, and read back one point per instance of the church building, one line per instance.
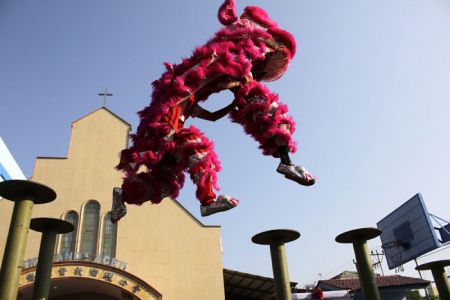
(154, 252)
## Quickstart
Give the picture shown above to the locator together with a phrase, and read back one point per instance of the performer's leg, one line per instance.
(291, 171)
(135, 189)
(204, 178)
(147, 150)
(146, 181)
(265, 118)
(283, 152)
(163, 180)
(201, 162)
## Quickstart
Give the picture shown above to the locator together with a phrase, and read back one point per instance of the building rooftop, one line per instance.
(352, 283)
(239, 285)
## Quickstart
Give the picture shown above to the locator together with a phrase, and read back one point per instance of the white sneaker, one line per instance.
(222, 203)
(296, 173)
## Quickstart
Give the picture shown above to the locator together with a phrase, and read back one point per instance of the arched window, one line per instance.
(89, 229)
(68, 240)
(109, 236)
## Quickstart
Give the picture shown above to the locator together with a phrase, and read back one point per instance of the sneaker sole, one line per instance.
(220, 209)
(298, 180)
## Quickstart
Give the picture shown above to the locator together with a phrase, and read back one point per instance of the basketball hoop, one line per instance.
(394, 251)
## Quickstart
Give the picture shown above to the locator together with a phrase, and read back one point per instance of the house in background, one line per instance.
(245, 286)
(392, 287)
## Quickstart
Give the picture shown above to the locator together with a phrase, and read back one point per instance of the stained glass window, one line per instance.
(109, 236)
(89, 229)
(68, 240)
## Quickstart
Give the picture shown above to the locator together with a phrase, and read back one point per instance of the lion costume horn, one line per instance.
(227, 12)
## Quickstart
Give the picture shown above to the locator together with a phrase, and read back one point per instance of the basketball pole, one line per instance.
(420, 274)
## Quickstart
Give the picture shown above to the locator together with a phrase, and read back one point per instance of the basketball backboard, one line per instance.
(409, 227)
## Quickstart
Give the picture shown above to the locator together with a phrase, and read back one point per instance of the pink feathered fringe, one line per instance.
(161, 152)
(188, 151)
(264, 118)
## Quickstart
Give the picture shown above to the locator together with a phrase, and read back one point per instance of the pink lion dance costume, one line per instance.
(249, 49)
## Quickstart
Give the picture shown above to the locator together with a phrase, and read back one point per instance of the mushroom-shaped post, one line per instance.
(440, 276)
(359, 238)
(50, 228)
(24, 194)
(276, 240)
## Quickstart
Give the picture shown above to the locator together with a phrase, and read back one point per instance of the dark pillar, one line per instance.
(440, 276)
(276, 239)
(49, 228)
(25, 194)
(358, 238)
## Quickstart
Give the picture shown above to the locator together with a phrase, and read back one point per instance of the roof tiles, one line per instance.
(382, 282)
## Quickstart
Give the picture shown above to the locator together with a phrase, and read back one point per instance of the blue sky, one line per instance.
(369, 90)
